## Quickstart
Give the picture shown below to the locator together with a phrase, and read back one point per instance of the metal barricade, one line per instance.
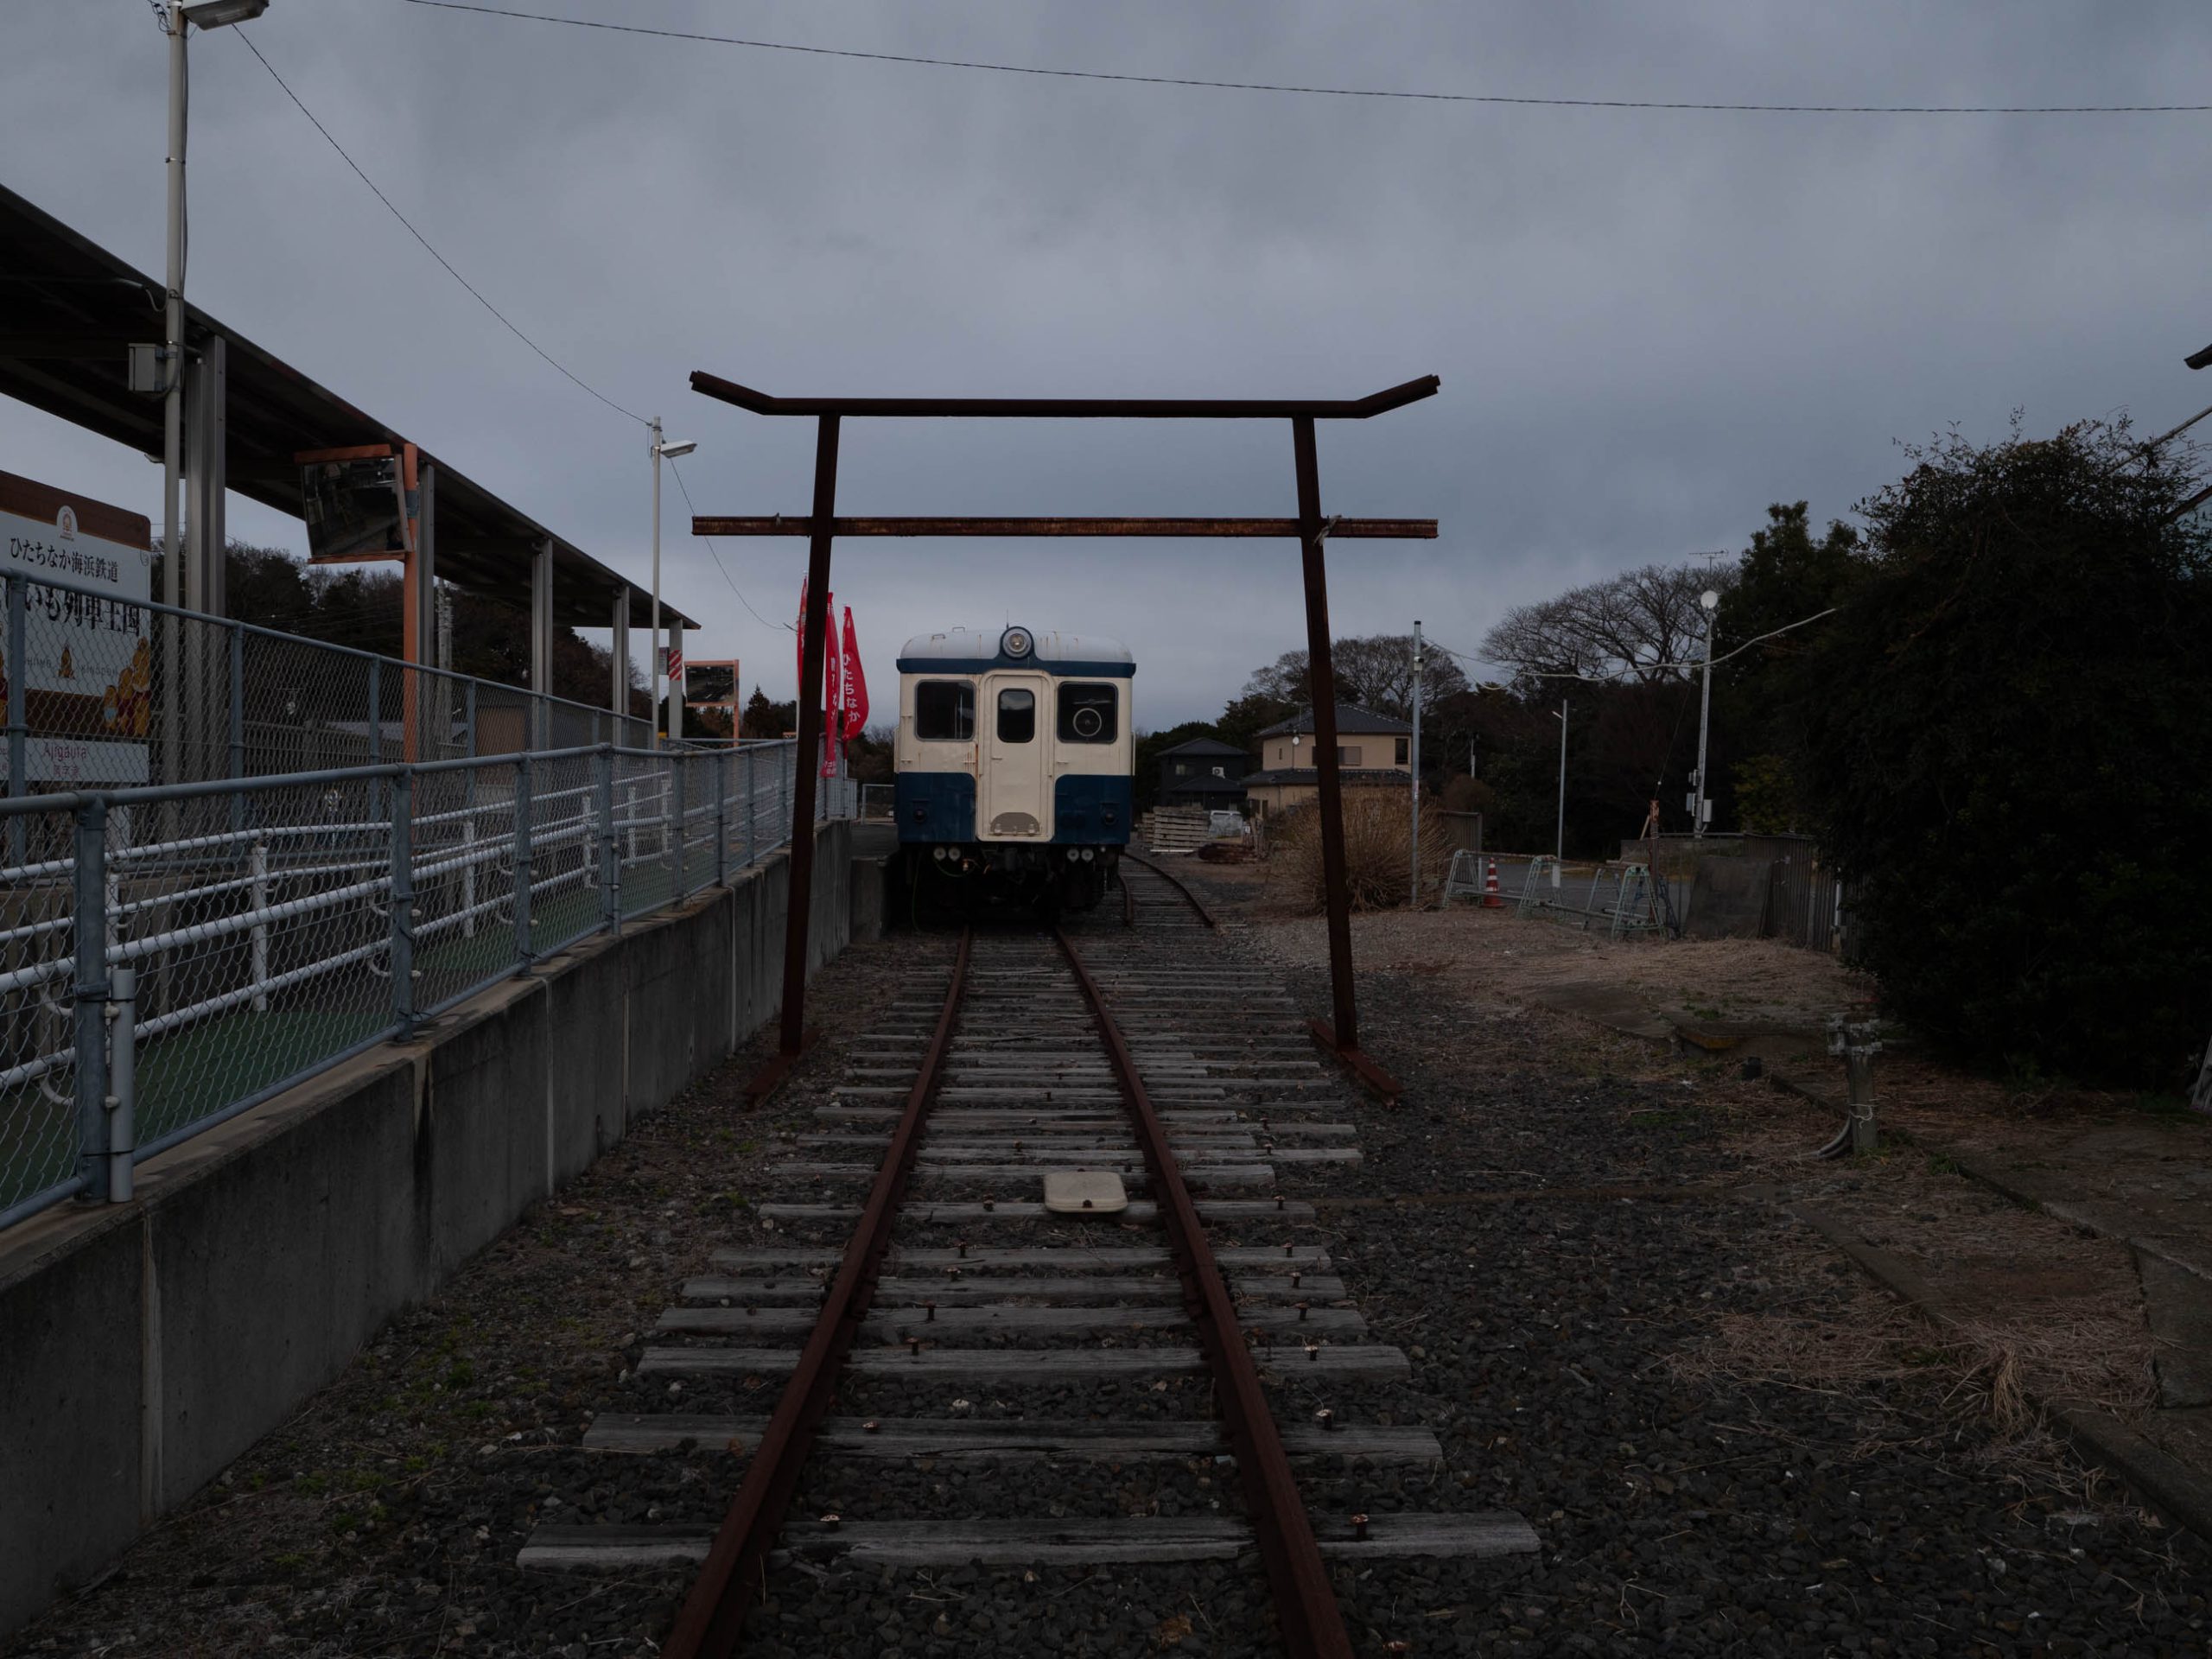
(1464, 878)
(1623, 897)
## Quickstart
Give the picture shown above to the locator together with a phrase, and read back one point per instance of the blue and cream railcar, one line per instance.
(1014, 762)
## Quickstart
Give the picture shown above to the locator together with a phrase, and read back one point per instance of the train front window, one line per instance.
(944, 711)
(1087, 714)
(1017, 716)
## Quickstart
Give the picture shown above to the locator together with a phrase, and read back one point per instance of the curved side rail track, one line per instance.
(1204, 914)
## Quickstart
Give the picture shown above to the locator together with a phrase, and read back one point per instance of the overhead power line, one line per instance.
(716, 552)
(1301, 90)
(476, 293)
(1623, 679)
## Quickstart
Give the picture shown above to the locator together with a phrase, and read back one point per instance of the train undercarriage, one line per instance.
(980, 877)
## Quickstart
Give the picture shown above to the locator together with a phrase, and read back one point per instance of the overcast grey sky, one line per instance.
(1649, 324)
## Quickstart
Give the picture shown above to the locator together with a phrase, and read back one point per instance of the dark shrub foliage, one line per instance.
(2008, 746)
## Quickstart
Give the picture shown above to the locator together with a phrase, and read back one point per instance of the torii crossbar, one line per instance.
(1340, 1036)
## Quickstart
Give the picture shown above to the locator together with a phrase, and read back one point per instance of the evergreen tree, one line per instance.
(2005, 750)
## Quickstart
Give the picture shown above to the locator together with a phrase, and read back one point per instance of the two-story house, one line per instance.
(1203, 772)
(1373, 751)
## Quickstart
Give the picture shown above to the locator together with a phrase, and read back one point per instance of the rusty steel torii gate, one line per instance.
(1340, 1037)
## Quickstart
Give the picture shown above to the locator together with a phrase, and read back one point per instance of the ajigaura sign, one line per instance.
(80, 688)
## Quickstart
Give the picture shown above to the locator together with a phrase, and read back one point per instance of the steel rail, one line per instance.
(713, 1613)
(1309, 1622)
(1205, 915)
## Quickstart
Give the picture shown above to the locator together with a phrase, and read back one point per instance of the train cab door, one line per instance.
(1016, 800)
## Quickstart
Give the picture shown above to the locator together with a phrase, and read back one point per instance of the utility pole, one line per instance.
(657, 649)
(659, 663)
(1700, 807)
(1559, 847)
(179, 17)
(173, 587)
(1416, 757)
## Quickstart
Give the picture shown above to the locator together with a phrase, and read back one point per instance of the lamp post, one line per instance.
(1559, 846)
(671, 451)
(1711, 601)
(177, 20)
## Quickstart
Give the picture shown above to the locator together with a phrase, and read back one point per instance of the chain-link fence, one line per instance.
(171, 955)
(100, 692)
(38, 949)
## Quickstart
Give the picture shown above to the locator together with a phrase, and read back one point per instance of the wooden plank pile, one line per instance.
(1177, 829)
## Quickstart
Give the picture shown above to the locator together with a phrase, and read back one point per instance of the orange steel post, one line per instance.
(411, 632)
(411, 623)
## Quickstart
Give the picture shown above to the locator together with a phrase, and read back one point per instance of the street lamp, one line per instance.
(177, 20)
(1559, 845)
(1698, 811)
(682, 447)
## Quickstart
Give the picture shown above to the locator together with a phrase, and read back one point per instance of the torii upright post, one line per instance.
(798, 910)
(1321, 680)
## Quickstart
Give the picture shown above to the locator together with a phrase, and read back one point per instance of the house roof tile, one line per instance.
(1351, 719)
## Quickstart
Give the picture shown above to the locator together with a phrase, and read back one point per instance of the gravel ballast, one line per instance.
(1504, 1228)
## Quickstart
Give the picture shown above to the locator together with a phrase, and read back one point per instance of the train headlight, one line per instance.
(1087, 854)
(1074, 854)
(1016, 642)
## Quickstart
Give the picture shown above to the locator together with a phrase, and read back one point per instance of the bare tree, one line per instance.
(1374, 670)
(1641, 626)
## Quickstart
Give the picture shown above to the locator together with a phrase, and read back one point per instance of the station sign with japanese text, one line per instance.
(78, 685)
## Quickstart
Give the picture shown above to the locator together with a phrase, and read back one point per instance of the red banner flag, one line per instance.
(833, 686)
(855, 683)
(799, 668)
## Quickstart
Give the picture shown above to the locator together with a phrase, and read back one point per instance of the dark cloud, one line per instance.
(1648, 324)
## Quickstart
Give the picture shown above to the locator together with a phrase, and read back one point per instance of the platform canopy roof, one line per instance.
(70, 309)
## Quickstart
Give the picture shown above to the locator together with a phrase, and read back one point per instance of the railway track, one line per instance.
(1194, 1330)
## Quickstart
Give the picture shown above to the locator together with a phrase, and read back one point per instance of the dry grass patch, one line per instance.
(1378, 852)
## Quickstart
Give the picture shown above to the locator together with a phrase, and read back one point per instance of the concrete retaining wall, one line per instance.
(143, 1346)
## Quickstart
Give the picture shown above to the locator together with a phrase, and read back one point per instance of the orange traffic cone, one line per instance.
(1491, 899)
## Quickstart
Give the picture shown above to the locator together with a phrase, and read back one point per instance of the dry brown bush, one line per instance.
(1377, 835)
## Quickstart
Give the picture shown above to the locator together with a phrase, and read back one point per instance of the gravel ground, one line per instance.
(384, 1517)
(1586, 1362)
(1649, 1380)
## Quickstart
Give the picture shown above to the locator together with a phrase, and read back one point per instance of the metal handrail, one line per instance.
(230, 624)
(240, 946)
